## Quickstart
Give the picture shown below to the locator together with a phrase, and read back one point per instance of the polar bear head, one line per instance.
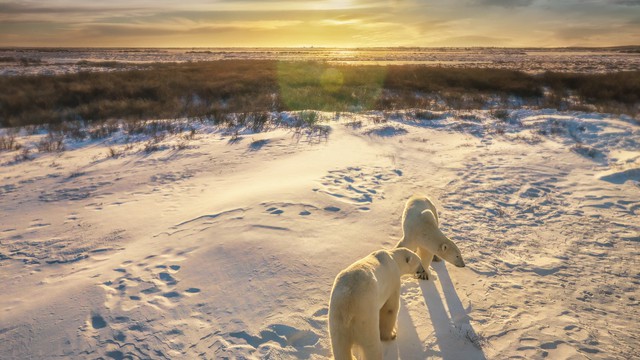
(450, 253)
(408, 261)
(438, 242)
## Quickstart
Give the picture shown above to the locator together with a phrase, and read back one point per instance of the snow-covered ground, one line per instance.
(225, 244)
(50, 61)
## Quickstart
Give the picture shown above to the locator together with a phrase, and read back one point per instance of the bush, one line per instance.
(500, 114)
(309, 118)
(51, 143)
(259, 120)
(426, 115)
(9, 143)
(24, 155)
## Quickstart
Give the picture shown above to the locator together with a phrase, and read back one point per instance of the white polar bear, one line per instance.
(365, 300)
(422, 235)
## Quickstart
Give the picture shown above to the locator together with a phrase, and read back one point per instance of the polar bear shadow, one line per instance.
(408, 344)
(455, 336)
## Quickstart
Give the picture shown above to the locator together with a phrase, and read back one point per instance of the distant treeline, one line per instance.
(208, 89)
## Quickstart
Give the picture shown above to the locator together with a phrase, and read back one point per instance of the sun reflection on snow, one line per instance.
(343, 54)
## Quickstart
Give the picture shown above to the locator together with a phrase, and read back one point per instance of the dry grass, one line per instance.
(449, 81)
(8, 143)
(24, 155)
(210, 91)
(164, 91)
(622, 88)
(427, 115)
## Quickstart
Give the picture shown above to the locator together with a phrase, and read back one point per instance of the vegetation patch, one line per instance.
(213, 90)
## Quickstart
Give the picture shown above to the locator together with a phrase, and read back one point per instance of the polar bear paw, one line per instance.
(388, 337)
(426, 275)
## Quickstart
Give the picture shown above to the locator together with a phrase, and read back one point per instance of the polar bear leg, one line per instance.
(425, 257)
(367, 336)
(389, 316)
(373, 349)
(341, 344)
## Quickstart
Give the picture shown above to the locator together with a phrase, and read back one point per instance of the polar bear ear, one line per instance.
(444, 247)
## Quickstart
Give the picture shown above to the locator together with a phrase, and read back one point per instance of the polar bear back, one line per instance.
(416, 205)
(376, 274)
(413, 221)
(364, 302)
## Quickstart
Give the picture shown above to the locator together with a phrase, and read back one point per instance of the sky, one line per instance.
(320, 23)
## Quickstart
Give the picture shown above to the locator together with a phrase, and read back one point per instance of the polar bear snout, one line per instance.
(421, 269)
(458, 261)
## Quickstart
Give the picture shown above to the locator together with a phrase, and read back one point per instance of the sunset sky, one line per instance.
(340, 23)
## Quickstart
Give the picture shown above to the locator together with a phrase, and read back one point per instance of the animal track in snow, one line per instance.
(283, 335)
(170, 177)
(281, 340)
(298, 339)
(74, 246)
(357, 185)
(279, 208)
(140, 296)
(37, 224)
(71, 193)
(145, 284)
(501, 213)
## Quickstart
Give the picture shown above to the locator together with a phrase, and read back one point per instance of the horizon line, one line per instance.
(2, 47)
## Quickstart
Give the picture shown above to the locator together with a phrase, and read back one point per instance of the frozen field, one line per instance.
(220, 243)
(19, 61)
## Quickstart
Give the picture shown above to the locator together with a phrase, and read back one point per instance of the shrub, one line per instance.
(190, 136)
(24, 155)
(9, 143)
(51, 143)
(309, 118)
(259, 121)
(103, 129)
(500, 114)
(426, 115)
(113, 153)
(133, 127)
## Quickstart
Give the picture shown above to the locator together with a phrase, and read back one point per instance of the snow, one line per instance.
(534, 60)
(228, 247)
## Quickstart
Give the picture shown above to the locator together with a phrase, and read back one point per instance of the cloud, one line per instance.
(317, 22)
(473, 40)
(627, 2)
(507, 3)
(599, 35)
(582, 32)
(34, 8)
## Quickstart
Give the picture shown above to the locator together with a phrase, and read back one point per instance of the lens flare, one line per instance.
(331, 80)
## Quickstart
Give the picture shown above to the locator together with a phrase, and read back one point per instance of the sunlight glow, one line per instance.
(332, 5)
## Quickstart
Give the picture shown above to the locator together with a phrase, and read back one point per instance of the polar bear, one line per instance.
(365, 300)
(420, 233)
